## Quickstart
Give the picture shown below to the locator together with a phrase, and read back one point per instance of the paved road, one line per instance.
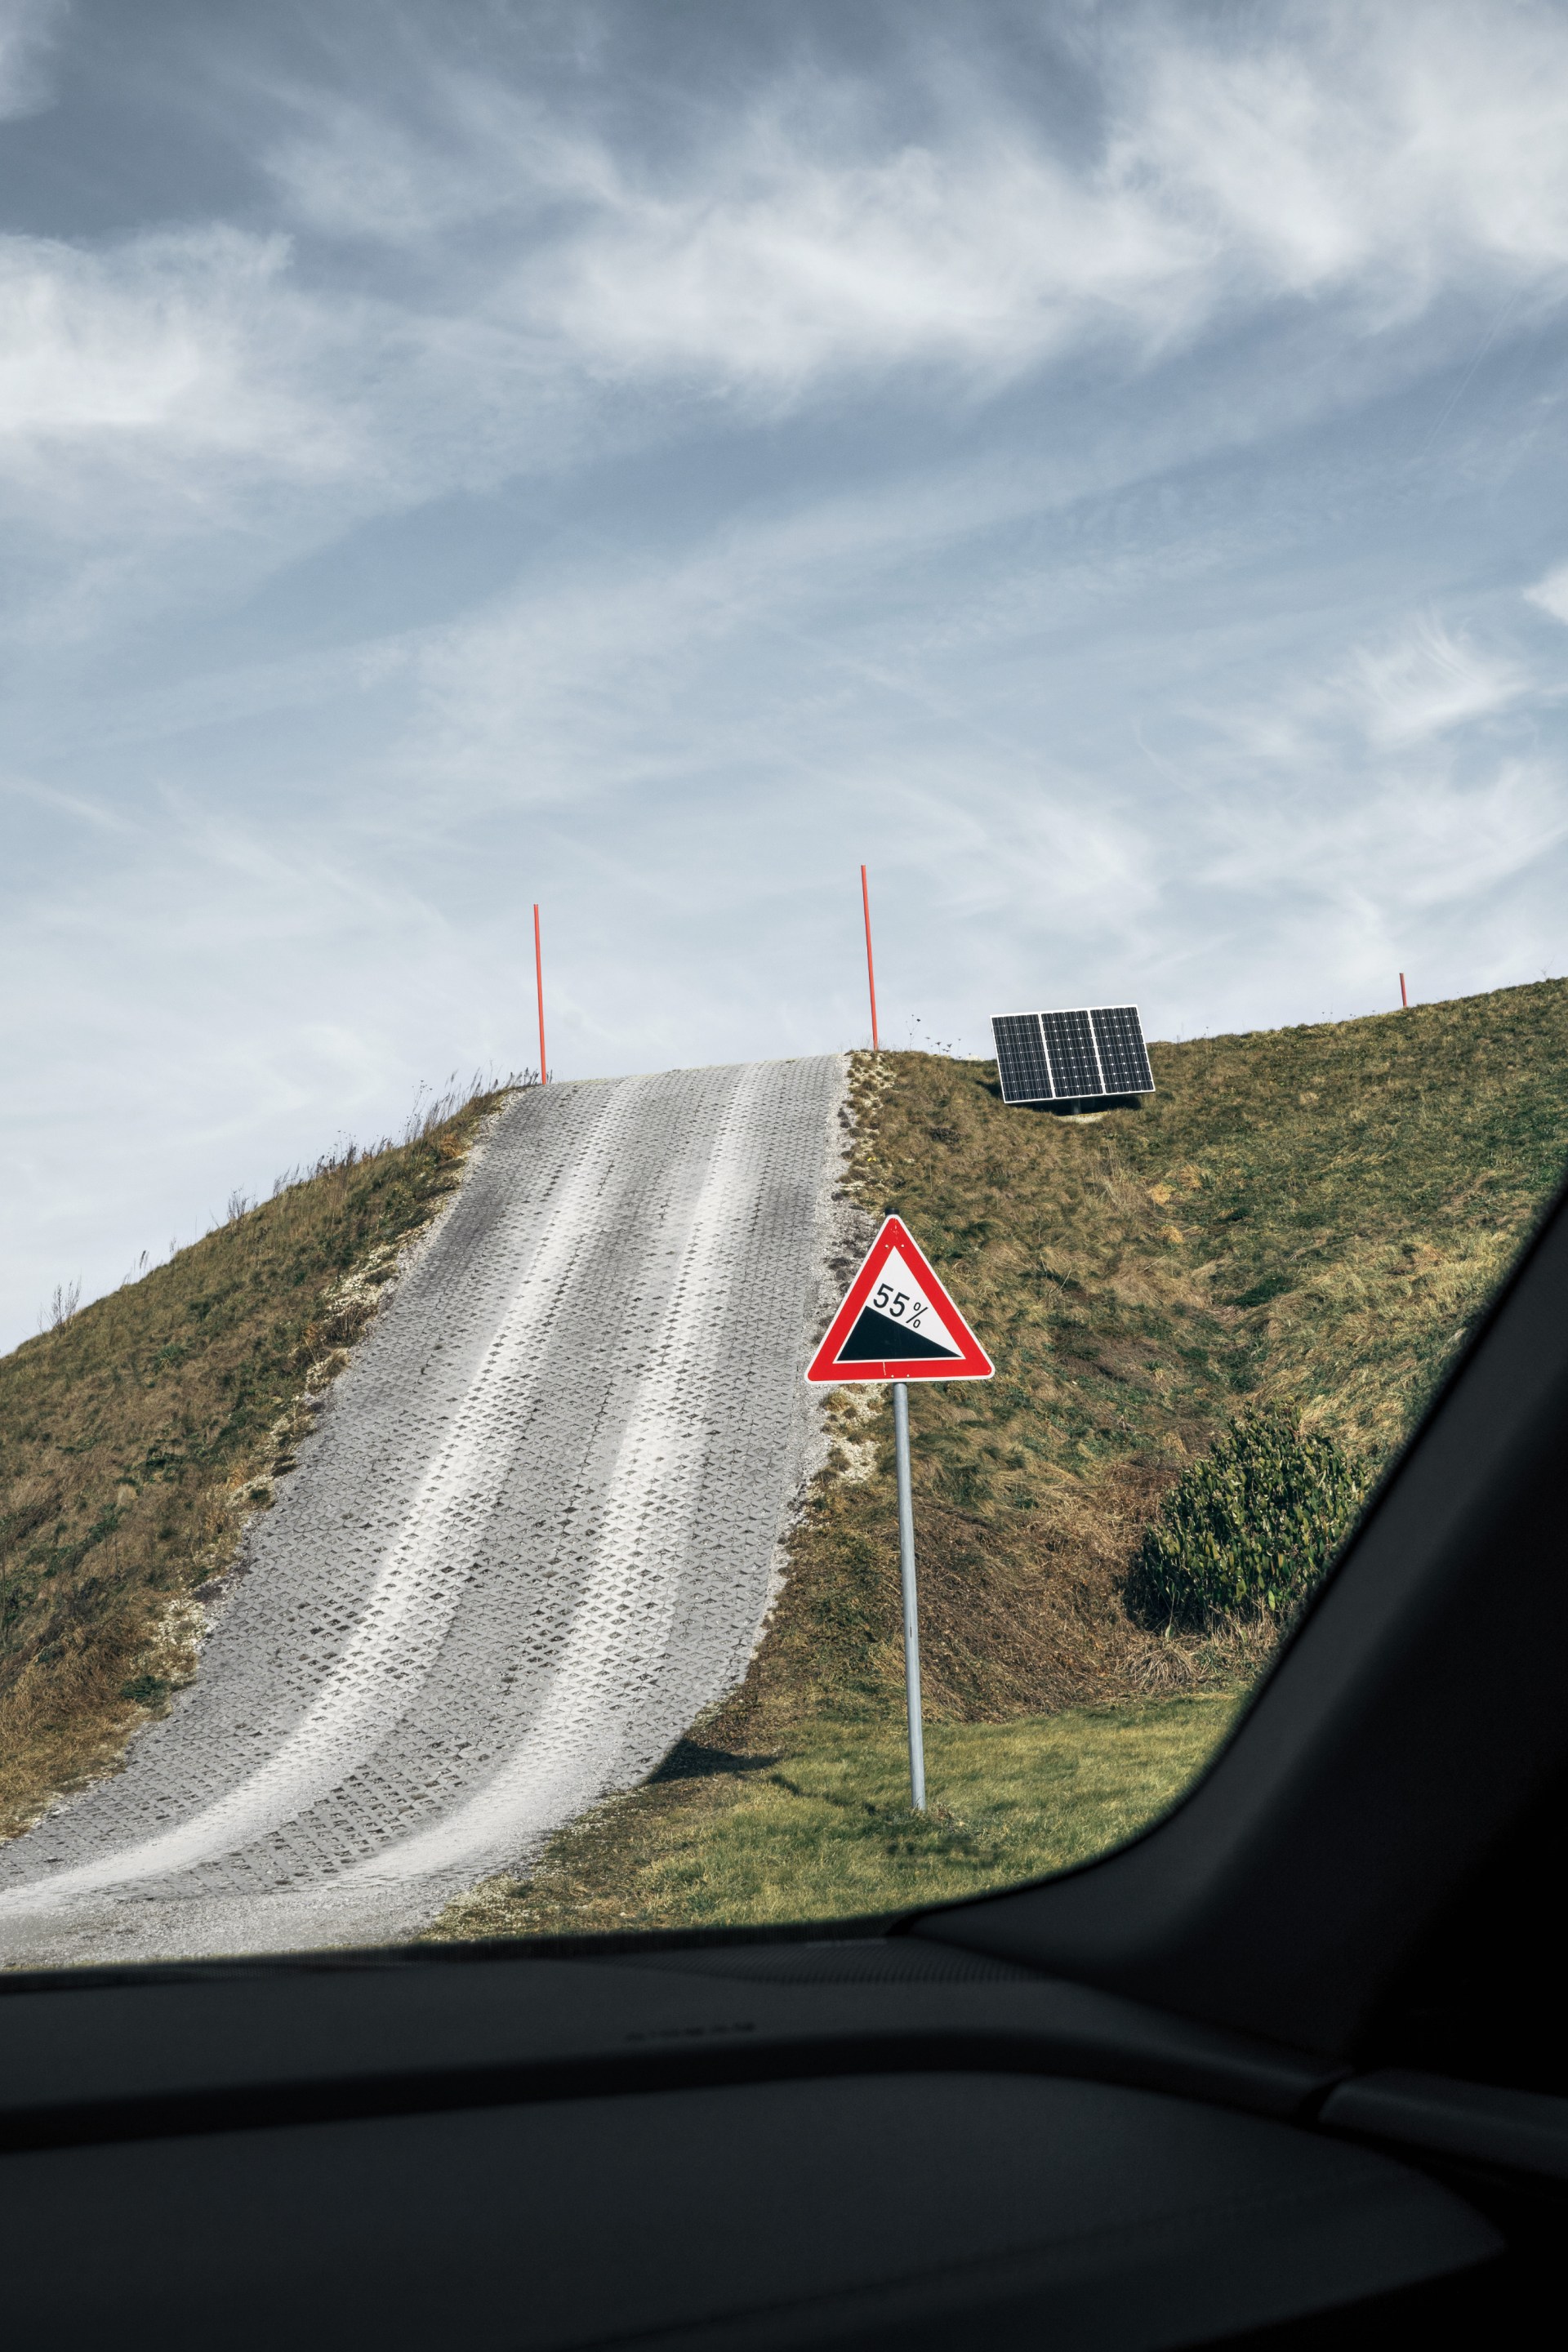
(531, 1537)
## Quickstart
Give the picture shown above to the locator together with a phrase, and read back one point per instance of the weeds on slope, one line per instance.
(138, 1434)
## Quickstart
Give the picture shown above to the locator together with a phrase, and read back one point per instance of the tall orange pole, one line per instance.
(538, 985)
(870, 967)
(1402, 998)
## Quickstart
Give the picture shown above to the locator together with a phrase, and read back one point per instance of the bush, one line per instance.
(147, 1690)
(1249, 1529)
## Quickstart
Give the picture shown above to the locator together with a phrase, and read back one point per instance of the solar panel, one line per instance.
(1069, 1042)
(1124, 1058)
(1021, 1058)
(1086, 1055)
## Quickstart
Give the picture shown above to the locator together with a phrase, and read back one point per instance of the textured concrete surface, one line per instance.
(530, 1539)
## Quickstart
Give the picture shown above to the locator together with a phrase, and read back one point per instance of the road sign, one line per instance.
(897, 1323)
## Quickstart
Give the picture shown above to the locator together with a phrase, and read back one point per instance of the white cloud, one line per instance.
(1428, 680)
(789, 266)
(789, 243)
(770, 255)
(1378, 791)
(1408, 842)
(1405, 149)
(1376, 153)
(169, 360)
(1407, 688)
(1551, 593)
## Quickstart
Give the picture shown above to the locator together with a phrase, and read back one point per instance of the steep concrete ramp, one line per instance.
(530, 1540)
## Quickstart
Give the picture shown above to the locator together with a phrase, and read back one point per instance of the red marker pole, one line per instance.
(870, 967)
(1404, 998)
(539, 987)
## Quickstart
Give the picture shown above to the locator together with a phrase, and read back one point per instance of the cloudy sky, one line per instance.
(1102, 466)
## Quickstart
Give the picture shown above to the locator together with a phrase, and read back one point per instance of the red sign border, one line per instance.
(973, 1364)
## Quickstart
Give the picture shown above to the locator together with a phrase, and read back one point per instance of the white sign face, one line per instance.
(897, 1296)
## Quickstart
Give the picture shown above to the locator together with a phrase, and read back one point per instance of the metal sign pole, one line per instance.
(911, 1598)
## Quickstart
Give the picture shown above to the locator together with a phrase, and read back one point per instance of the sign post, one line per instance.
(911, 1599)
(898, 1324)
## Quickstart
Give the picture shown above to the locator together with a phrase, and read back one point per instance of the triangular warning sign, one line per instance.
(897, 1323)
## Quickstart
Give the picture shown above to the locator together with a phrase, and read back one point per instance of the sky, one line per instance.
(1102, 467)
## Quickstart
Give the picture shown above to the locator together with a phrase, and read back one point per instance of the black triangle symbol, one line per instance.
(877, 1340)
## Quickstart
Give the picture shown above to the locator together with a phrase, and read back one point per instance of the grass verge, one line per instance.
(824, 1830)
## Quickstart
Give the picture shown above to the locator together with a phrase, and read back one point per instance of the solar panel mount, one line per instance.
(1083, 1057)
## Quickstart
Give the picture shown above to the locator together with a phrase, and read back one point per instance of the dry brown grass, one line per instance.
(138, 1436)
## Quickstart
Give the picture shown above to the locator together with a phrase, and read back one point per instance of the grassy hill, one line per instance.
(138, 1436)
(1312, 1215)
(1309, 1215)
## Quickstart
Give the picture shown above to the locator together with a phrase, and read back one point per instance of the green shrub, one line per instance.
(1249, 1529)
(147, 1690)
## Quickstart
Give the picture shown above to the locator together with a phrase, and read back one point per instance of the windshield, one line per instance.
(500, 531)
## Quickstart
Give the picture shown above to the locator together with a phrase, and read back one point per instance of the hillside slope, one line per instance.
(1312, 1215)
(531, 1537)
(137, 1438)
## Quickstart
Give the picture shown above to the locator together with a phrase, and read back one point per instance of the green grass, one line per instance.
(137, 1438)
(825, 1831)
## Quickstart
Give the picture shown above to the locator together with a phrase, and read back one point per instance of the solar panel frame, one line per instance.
(1084, 1053)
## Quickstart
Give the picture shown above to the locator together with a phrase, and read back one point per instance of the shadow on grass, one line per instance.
(690, 1760)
